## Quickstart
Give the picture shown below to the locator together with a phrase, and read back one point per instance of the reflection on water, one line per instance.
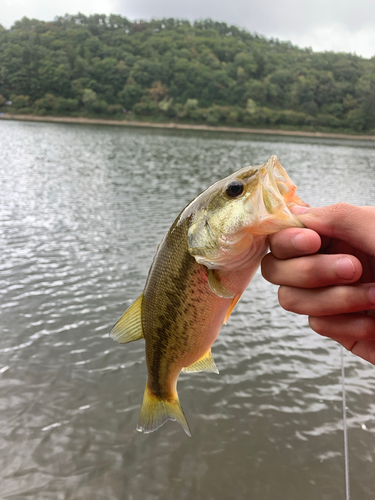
(82, 209)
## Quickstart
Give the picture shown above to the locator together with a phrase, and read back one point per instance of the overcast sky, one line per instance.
(338, 25)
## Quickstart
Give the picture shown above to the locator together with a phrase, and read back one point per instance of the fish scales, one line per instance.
(199, 272)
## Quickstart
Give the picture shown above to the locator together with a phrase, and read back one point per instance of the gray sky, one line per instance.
(339, 25)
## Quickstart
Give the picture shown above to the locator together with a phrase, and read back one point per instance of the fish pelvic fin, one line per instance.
(205, 363)
(129, 327)
(216, 287)
(157, 410)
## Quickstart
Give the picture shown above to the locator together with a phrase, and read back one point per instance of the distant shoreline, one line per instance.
(182, 126)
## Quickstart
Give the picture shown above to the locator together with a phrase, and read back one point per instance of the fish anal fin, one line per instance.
(231, 306)
(129, 327)
(205, 364)
(156, 411)
(216, 287)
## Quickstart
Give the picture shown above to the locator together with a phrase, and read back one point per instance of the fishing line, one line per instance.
(346, 455)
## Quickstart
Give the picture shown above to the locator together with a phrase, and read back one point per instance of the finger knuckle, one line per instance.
(288, 298)
(309, 270)
(339, 217)
(344, 297)
(367, 328)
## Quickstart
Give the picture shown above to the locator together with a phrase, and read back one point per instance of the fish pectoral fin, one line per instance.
(205, 364)
(231, 306)
(129, 327)
(156, 411)
(216, 287)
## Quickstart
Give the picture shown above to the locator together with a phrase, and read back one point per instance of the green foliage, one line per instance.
(166, 104)
(19, 101)
(67, 105)
(88, 97)
(293, 118)
(158, 91)
(130, 94)
(115, 109)
(213, 116)
(191, 104)
(48, 102)
(326, 120)
(251, 107)
(146, 107)
(206, 72)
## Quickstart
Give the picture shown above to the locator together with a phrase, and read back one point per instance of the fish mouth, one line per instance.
(273, 198)
(282, 183)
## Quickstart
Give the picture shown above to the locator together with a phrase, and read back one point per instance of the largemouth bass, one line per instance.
(200, 270)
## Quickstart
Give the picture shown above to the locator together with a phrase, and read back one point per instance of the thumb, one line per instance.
(355, 225)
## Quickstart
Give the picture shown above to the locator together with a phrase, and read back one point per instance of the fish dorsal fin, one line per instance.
(205, 364)
(216, 287)
(129, 327)
(231, 306)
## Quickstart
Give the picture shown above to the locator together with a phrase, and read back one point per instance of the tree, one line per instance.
(47, 103)
(19, 101)
(158, 91)
(130, 94)
(365, 91)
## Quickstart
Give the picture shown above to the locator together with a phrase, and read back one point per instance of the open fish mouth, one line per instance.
(272, 199)
(280, 180)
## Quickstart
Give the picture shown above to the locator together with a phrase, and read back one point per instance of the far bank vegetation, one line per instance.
(172, 70)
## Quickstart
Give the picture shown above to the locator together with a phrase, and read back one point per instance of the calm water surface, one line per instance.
(82, 210)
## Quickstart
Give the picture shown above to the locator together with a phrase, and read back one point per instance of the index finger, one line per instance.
(294, 242)
(342, 221)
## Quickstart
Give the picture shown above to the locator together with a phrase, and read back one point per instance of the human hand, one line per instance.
(327, 271)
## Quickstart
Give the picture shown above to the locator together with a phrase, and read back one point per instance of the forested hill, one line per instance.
(172, 70)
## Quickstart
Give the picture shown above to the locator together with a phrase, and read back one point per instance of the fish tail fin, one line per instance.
(156, 411)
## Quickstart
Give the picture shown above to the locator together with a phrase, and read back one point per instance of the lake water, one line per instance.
(82, 210)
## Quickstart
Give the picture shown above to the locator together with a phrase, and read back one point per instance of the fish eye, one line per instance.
(234, 189)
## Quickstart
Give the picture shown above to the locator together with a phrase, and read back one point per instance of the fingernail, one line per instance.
(372, 294)
(301, 242)
(298, 210)
(345, 269)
